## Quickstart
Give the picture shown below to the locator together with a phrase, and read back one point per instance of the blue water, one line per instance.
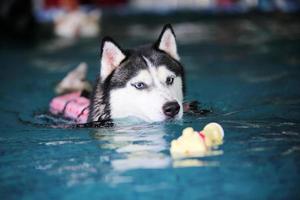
(245, 70)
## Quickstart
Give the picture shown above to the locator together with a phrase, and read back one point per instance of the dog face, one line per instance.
(145, 82)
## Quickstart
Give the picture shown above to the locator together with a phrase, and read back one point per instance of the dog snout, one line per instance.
(171, 109)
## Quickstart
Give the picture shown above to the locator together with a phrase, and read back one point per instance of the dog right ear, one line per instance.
(111, 57)
(167, 42)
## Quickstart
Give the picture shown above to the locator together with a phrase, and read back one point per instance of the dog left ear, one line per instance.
(111, 57)
(167, 42)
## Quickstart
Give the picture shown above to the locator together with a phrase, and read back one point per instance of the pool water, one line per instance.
(246, 70)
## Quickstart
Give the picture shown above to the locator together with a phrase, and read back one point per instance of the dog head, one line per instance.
(145, 82)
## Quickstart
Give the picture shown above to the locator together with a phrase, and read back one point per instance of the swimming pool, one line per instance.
(245, 69)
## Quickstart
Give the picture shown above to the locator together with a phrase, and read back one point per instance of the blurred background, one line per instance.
(67, 17)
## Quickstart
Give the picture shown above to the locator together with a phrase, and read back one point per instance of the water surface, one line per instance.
(245, 70)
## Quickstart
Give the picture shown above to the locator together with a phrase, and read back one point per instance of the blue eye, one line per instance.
(139, 85)
(170, 80)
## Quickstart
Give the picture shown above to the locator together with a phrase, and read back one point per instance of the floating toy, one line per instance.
(73, 106)
(73, 102)
(193, 143)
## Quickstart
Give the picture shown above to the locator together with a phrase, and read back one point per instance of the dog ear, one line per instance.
(111, 57)
(167, 42)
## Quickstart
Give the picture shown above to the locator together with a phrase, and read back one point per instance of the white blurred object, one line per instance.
(77, 24)
(172, 4)
(74, 80)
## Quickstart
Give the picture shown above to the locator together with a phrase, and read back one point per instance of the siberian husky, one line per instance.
(145, 82)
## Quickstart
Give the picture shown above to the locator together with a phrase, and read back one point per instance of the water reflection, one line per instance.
(194, 163)
(135, 146)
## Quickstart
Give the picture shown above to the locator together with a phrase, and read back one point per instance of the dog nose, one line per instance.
(171, 108)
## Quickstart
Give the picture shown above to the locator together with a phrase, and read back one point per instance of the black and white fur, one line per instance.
(145, 82)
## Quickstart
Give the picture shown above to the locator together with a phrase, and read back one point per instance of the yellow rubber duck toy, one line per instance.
(193, 143)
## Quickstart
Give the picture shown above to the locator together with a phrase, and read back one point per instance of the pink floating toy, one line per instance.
(72, 106)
